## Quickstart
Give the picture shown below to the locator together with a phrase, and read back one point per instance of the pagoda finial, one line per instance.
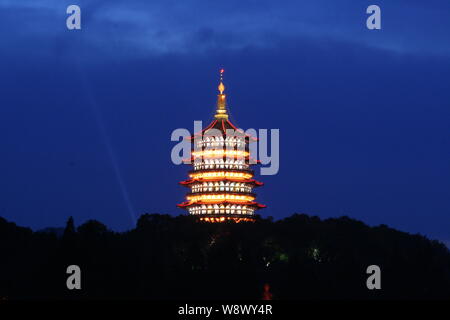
(221, 86)
(221, 111)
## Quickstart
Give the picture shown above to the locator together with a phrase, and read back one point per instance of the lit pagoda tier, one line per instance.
(221, 182)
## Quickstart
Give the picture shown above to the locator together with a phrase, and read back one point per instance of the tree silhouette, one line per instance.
(166, 257)
(70, 227)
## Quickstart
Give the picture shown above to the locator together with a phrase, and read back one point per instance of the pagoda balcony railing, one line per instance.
(250, 171)
(214, 145)
(221, 166)
(222, 148)
(209, 189)
(238, 193)
(222, 212)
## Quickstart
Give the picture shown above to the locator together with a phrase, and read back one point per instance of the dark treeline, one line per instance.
(166, 257)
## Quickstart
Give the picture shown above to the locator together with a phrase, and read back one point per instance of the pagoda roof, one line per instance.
(186, 204)
(222, 125)
(221, 121)
(250, 171)
(191, 181)
(221, 192)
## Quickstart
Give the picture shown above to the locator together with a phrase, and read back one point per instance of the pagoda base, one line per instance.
(225, 218)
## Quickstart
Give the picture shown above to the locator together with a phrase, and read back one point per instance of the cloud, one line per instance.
(195, 27)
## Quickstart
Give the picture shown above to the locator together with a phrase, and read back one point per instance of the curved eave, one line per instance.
(222, 125)
(249, 171)
(251, 194)
(187, 204)
(199, 134)
(252, 181)
(239, 130)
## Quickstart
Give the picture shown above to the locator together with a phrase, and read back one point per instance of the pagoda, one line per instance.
(221, 182)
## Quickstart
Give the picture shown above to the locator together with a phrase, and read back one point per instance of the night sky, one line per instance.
(86, 116)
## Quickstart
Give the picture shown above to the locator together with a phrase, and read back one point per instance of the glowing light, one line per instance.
(223, 219)
(214, 198)
(221, 89)
(221, 174)
(220, 152)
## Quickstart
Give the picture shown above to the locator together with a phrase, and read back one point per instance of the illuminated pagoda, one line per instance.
(221, 182)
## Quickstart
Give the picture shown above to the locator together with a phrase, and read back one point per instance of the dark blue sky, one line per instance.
(86, 116)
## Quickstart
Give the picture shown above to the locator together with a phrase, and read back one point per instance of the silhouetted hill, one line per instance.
(165, 257)
(56, 231)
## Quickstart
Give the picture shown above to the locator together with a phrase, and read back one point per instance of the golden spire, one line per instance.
(221, 110)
